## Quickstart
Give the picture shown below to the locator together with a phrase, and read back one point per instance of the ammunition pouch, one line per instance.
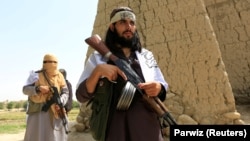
(100, 109)
(106, 96)
(33, 107)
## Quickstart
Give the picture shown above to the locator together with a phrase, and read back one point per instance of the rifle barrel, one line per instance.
(96, 43)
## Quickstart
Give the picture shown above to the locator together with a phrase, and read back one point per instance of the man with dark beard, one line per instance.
(137, 122)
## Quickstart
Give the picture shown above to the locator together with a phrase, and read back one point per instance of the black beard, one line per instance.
(123, 42)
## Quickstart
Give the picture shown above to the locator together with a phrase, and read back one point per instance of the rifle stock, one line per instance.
(155, 103)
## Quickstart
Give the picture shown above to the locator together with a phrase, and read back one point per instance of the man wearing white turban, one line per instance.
(138, 122)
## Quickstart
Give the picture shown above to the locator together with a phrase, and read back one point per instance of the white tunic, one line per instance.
(149, 67)
(39, 126)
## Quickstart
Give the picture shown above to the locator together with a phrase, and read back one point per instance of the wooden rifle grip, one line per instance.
(161, 104)
(96, 43)
(151, 101)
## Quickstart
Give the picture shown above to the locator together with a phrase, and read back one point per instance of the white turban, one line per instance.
(122, 15)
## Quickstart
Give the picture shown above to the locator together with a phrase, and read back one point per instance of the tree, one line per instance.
(76, 104)
(2, 105)
(25, 104)
(10, 105)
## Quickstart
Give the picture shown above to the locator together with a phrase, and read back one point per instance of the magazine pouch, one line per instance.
(100, 109)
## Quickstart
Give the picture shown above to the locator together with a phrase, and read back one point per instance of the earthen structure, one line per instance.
(202, 47)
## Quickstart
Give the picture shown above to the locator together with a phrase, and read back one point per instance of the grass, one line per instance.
(12, 122)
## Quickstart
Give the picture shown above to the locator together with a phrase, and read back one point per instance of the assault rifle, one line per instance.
(160, 109)
(57, 100)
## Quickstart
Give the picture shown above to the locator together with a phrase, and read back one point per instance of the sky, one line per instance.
(29, 29)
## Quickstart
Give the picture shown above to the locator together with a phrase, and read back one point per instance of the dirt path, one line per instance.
(244, 110)
(73, 136)
(12, 137)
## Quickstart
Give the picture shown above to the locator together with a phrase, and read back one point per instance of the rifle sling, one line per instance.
(48, 103)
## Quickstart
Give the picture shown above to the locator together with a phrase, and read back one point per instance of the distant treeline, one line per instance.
(22, 105)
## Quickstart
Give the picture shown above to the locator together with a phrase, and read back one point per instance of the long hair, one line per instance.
(113, 45)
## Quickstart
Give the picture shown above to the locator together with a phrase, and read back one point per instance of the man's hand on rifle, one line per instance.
(111, 72)
(57, 107)
(44, 89)
(59, 110)
(151, 88)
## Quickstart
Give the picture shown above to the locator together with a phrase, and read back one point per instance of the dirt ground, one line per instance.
(73, 136)
(243, 109)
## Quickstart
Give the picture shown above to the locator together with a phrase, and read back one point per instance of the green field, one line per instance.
(12, 122)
